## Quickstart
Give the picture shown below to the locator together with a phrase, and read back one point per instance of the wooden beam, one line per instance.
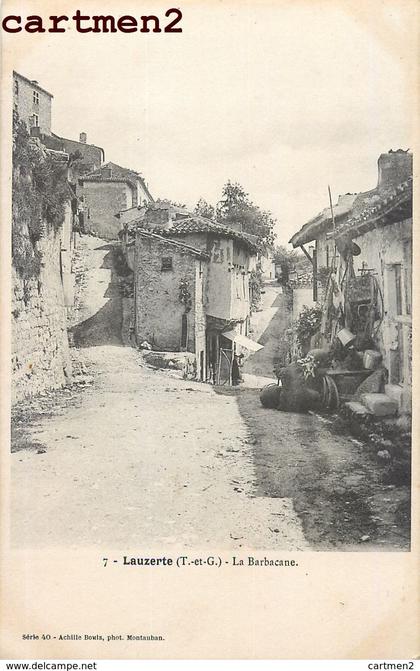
(308, 256)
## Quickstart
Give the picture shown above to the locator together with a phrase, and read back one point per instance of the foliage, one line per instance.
(39, 194)
(285, 258)
(168, 201)
(204, 209)
(236, 209)
(308, 366)
(323, 275)
(308, 323)
(185, 294)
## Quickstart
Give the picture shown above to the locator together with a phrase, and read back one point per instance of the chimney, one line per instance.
(83, 138)
(393, 168)
(106, 173)
(158, 217)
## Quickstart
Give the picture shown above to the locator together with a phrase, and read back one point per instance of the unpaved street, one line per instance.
(145, 459)
(139, 457)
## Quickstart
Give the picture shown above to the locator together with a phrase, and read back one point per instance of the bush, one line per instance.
(308, 323)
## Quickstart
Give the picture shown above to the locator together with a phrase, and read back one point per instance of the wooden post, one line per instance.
(333, 224)
(315, 275)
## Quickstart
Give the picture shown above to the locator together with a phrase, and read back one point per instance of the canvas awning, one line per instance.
(243, 341)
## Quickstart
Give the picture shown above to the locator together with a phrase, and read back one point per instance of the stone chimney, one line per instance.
(83, 138)
(106, 173)
(159, 216)
(394, 167)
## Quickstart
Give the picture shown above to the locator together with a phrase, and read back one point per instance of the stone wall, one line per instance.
(92, 155)
(158, 308)
(24, 102)
(102, 201)
(384, 251)
(40, 350)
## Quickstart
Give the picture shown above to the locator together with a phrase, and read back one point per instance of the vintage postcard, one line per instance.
(208, 295)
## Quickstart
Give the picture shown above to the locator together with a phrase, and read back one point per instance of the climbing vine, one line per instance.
(255, 286)
(39, 194)
(185, 294)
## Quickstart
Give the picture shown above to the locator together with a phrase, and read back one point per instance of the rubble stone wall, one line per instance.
(102, 201)
(40, 349)
(158, 308)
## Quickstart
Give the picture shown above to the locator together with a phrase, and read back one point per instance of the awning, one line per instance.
(243, 341)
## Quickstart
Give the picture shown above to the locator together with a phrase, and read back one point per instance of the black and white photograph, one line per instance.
(211, 239)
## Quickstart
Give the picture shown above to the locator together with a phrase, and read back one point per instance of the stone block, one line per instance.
(380, 405)
(395, 392)
(357, 408)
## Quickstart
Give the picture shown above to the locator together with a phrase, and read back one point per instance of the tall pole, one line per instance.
(333, 225)
(315, 275)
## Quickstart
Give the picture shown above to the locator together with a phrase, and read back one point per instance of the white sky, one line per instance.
(285, 98)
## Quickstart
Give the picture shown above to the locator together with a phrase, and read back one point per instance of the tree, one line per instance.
(204, 209)
(284, 258)
(235, 209)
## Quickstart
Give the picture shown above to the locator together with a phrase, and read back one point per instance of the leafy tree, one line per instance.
(285, 258)
(237, 210)
(204, 209)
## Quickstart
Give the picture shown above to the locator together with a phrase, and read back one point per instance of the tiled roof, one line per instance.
(310, 230)
(180, 245)
(385, 208)
(121, 174)
(98, 178)
(195, 224)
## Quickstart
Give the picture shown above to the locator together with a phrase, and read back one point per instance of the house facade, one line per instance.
(32, 103)
(383, 233)
(369, 251)
(223, 271)
(169, 295)
(105, 193)
(318, 230)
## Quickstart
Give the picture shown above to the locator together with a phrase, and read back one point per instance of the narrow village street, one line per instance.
(138, 456)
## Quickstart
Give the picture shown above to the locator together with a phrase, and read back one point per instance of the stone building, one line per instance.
(225, 278)
(169, 281)
(32, 103)
(369, 251)
(92, 157)
(382, 230)
(393, 168)
(40, 347)
(106, 192)
(317, 230)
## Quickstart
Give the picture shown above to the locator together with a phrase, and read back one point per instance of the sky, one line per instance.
(284, 98)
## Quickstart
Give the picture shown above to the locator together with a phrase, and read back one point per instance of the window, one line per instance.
(16, 87)
(35, 98)
(35, 119)
(167, 263)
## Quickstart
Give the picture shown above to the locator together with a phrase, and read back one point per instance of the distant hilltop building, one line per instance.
(102, 189)
(32, 103)
(106, 192)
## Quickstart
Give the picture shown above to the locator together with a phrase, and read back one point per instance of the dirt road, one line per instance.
(140, 457)
(268, 325)
(145, 459)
